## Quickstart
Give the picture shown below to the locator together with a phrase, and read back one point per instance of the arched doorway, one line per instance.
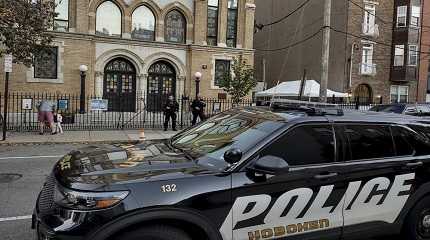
(120, 85)
(161, 84)
(363, 93)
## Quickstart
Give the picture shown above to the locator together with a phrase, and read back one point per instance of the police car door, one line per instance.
(301, 200)
(379, 182)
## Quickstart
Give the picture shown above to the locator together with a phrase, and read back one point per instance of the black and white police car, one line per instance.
(296, 171)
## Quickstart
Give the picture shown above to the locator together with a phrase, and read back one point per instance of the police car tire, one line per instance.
(415, 217)
(156, 232)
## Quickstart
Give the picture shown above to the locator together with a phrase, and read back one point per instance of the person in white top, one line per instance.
(58, 119)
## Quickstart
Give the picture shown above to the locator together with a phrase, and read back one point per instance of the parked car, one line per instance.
(403, 108)
(291, 172)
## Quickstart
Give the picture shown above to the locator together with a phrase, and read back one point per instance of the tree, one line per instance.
(24, 26)
(240, 81)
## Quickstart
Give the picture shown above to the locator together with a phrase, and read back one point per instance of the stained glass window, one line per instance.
(143, 22)
(61, 21)
(161, 78)
(45, 63)
(222, 67)
(175, 27)
(212, 35)
(108, 19)
(232, 23)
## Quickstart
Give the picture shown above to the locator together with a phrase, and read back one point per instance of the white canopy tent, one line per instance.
(292, 89)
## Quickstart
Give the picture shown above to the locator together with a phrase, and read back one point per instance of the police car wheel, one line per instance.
(417, 225)
(157, 232)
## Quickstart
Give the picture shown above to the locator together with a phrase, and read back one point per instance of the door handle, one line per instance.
(325, 176)
(414, 165)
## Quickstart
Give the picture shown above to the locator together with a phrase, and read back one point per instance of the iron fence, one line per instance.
(121, 112)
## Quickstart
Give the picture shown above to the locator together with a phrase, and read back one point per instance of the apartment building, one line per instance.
(374, 53)
(153, 47)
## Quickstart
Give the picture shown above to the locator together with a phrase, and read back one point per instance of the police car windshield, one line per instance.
(241, 129)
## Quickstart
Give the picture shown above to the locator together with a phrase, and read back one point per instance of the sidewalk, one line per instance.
(120, 136)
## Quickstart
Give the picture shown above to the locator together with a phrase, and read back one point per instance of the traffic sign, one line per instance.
(8, 63)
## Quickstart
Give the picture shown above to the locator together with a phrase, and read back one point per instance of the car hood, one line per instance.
(99, 166)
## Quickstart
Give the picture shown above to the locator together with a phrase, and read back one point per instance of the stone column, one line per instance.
(180, 86)
(91, 23)
(248, 41)
(84, 20)
(143, 83)
(159, 31)
(126, 29)
(99, 84)
(240, 23)
(200, 21)
(222, 23)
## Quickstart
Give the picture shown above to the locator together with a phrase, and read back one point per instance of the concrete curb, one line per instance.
(69, 142)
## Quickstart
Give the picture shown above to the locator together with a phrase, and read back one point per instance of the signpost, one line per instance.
(8, 61)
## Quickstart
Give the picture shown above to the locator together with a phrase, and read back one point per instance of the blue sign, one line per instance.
(99, 104)
(63, 104)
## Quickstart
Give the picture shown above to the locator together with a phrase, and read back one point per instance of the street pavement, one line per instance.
(28, 166)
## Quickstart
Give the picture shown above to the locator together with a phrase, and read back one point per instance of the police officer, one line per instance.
(197, 108)
(170, 109)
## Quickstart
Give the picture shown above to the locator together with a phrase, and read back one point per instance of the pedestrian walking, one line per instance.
(198, 109)
(58, 119)
(45, 109)
(170, 109)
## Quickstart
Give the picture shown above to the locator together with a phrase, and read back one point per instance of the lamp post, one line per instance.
(380, 99)
(198, 77)
(83, 69)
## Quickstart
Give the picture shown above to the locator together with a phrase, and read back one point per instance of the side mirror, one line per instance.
(233, 156)
(271, 165)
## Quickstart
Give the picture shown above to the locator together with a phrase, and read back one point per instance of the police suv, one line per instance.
(292, 171)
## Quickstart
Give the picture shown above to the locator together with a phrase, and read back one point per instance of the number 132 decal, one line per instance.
(168, 188)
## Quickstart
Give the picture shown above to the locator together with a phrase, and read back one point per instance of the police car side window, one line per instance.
(304, 145)
(419, 140)
(403, 141)
(369, 141)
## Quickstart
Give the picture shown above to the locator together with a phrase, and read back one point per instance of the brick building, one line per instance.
(131, 46)
(424, 75)
(375, 46)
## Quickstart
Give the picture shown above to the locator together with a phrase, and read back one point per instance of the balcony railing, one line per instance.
(368, 69)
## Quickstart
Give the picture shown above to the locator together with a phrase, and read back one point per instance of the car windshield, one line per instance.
(242, 129)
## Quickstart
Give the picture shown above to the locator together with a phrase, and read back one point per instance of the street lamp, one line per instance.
(380, 99)
(198, 77)
(83, 69)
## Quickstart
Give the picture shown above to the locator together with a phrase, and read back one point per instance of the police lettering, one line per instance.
(375, 200)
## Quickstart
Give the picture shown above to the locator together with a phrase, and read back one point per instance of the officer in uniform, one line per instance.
(170, 109)
(197, 109)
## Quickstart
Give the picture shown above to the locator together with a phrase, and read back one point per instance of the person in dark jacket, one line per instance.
(170, 109)
(198, 109)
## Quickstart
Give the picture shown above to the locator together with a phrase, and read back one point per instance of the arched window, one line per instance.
(175, 27)
(143, 22)
(108, 19)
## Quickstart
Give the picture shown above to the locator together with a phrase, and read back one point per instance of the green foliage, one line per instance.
(24, 26)
(240, 82)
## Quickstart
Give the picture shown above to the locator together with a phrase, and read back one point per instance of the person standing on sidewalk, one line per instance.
(170, 109)
(198, 109)
(45, 109)
(58, 119)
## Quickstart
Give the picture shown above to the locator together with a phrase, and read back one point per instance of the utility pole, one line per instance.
(264, 72)
(325, 51)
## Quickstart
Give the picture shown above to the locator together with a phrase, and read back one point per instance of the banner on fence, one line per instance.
(99, 104)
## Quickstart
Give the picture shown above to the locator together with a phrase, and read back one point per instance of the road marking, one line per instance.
(25, 157)
(15, 218)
